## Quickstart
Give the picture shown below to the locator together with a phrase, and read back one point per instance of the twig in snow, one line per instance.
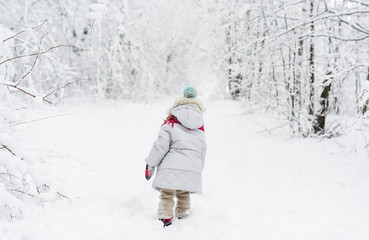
(28, 194)
(5, 147)
(39, 119)
(61, 195)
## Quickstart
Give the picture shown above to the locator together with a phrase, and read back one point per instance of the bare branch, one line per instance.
(361, 29)
(43, 98)
(62, 195)
(273, 13)
(14, 35)
(34, 62)
(25, 30)
(312, 20)
(33, 66)
(40, 24)
(41, 53)
(361, 3)
(81, 79)
(24, 91)
(10, 175)
(336, 37)
(19, 191)
(5, 147)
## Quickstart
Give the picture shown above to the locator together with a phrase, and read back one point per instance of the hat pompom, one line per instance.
(190, 92)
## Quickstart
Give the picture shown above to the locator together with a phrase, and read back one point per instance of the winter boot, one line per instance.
(167, 221)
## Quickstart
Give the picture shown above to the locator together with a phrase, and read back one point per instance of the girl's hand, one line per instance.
(149, 171)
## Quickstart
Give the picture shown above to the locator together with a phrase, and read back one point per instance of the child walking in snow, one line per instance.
(179, 155)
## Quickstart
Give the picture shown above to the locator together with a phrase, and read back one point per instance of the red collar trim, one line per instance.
(171, 119)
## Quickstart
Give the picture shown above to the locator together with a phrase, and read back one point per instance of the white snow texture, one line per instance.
(256, 186)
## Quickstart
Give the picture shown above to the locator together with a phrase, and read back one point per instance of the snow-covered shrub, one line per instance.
(23, 176)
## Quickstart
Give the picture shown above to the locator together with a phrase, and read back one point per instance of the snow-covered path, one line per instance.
(256, 186)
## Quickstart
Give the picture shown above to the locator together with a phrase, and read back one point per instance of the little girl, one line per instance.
(179, 153)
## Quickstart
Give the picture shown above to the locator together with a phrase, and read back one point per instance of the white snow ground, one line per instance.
(256, 185)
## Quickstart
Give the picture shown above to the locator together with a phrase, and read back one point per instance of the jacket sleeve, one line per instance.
(203, 155)
(161, 147)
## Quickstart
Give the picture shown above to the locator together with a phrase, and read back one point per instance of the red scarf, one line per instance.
(171, 119)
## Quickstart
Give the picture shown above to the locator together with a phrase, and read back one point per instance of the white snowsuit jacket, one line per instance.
(179, 151)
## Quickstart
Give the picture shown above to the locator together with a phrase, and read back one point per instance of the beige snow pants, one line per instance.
(167, 203)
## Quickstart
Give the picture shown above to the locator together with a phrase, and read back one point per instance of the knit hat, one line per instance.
(190, 92)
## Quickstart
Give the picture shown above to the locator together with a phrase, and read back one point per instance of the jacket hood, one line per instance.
(189, 114)
(183, 100)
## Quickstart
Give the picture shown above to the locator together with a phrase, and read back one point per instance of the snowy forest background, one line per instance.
(306, 62)
(302, 59)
